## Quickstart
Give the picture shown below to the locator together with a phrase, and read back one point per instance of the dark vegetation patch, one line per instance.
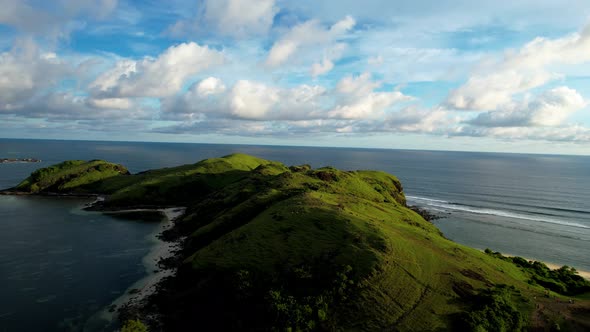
(463, 289)
(328, 175)
(300, 168)
(564, 280)
(300, 298)
(494, 309)
(474, 275)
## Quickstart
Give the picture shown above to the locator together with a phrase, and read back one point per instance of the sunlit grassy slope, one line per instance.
(274, 247)
(69, 176)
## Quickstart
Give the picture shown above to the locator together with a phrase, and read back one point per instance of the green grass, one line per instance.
(276, 248)
(70, 176)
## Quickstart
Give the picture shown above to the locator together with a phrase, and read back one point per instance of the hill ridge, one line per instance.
(271, 247)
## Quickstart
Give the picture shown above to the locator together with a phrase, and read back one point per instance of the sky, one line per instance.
(488, 75)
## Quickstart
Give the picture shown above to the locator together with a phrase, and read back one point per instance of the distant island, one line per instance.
(270, 247)
(19, 160)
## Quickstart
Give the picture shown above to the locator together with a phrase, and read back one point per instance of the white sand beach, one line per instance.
(146, 286)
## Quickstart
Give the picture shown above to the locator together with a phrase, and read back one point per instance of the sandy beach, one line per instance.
(585, 274)
(553, 266)
(144, 287)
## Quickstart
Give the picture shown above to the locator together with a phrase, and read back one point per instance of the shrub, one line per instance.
(493, 310)
(134, 325)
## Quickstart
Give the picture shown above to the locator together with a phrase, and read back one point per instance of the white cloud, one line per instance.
(309, 33)
(495, 89)
(357, 85)
(236, 18)
(555, 106)
(250, 100)
(353, 98)
(332, 54)
(322, 67)
(26, 71)
(240, 17)
(569, 133)
(245, 100)
(159, 77)
(415, 120)
(551, 108)
(366, 107)
(111, 103)
(210, 86)
(357, 99)
(68, 106)
(496, 83)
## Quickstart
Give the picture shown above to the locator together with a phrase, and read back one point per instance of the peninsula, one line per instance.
(264, 246)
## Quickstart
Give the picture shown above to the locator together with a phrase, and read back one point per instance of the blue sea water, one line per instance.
(60, 265)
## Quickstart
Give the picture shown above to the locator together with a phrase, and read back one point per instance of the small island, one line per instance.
(19, 160)
(269, 247)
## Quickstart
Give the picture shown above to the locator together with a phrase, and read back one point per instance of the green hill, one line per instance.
(69, 176)
(271, 247)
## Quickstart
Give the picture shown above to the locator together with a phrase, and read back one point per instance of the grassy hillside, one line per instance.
(271, 247)
(70, 176)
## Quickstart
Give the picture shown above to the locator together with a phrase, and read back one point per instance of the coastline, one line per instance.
(138, 292)
(552, 266)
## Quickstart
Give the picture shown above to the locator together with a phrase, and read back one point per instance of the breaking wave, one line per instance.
(446, 206)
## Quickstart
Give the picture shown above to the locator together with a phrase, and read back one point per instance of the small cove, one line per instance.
(60, 265)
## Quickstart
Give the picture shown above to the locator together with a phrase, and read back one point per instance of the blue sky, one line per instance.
(421, 74)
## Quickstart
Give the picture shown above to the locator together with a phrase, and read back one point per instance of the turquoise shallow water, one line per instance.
(61, 265)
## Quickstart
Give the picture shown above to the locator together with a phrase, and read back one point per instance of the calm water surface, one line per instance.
(61, 265)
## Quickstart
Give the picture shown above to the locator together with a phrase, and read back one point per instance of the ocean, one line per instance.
(60, 265)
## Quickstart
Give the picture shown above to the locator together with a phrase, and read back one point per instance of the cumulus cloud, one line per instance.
(25, 71)
(68, 106)
(210, 86)
(111, 103)
(240, 17)
(31, 86)
(237, 18)
(245, 100)
(332, 54)
(156, 77)
(551, 108)
(309, 33)
(353, 98)
(496, 83)
(320, 68)
(357, 98)
(252, 100)
(415, 120)
(369, 106)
